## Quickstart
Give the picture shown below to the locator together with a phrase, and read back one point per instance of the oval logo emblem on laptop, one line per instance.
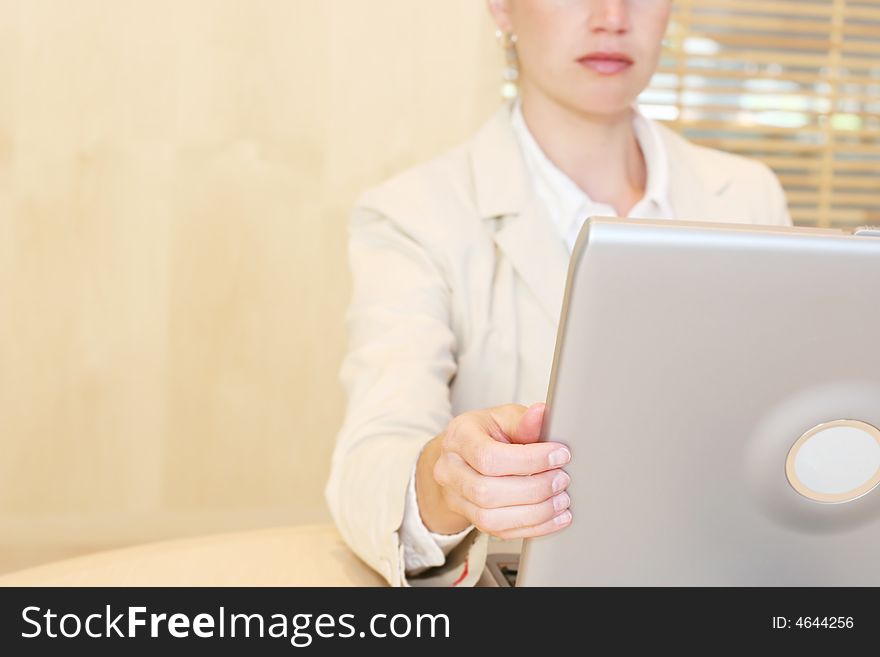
(835, 461)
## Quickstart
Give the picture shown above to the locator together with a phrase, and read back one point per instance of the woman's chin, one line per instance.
(603, 98)
(608, 105)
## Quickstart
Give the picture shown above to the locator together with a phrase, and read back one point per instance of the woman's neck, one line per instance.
(600, 153)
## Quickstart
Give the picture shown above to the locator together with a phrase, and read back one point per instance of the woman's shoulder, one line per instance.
(705, 160)
(432, 187)
(455, 191)
(432, 203)
(734, 185)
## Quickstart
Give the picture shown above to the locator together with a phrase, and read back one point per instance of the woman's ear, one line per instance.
(500, 10)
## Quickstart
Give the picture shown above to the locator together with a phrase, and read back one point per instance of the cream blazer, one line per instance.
(458, 279)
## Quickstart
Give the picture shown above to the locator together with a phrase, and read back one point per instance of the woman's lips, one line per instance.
(606, 63)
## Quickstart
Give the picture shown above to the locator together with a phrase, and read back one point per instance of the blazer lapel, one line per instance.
(696, 185)
(537, 254)
(522, 230)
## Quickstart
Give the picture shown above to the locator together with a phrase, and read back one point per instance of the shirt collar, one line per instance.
(656, 160)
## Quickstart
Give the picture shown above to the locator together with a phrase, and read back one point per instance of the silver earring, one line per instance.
(510, 73)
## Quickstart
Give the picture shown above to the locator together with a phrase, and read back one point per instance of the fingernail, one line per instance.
(561, 501)
(563, 518)
(559, 456)
(560, 481)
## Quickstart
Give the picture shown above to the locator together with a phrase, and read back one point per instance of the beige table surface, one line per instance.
(310, 555)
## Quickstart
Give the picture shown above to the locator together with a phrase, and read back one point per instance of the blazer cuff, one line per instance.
(422, 548)
(462, 568)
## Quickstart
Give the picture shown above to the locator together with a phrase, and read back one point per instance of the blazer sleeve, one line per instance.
(396, 374)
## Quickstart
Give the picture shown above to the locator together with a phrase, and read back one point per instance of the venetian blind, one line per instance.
(795, 83)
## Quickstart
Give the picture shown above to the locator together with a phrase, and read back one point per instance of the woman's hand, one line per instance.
(487, 469)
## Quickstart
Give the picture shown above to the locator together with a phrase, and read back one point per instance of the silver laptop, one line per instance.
(719, 386)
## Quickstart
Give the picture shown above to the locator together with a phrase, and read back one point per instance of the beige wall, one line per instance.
(175, 177)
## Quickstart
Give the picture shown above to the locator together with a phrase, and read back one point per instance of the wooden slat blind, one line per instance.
(794, 83)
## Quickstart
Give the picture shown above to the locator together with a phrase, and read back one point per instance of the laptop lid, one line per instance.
(719, 386)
